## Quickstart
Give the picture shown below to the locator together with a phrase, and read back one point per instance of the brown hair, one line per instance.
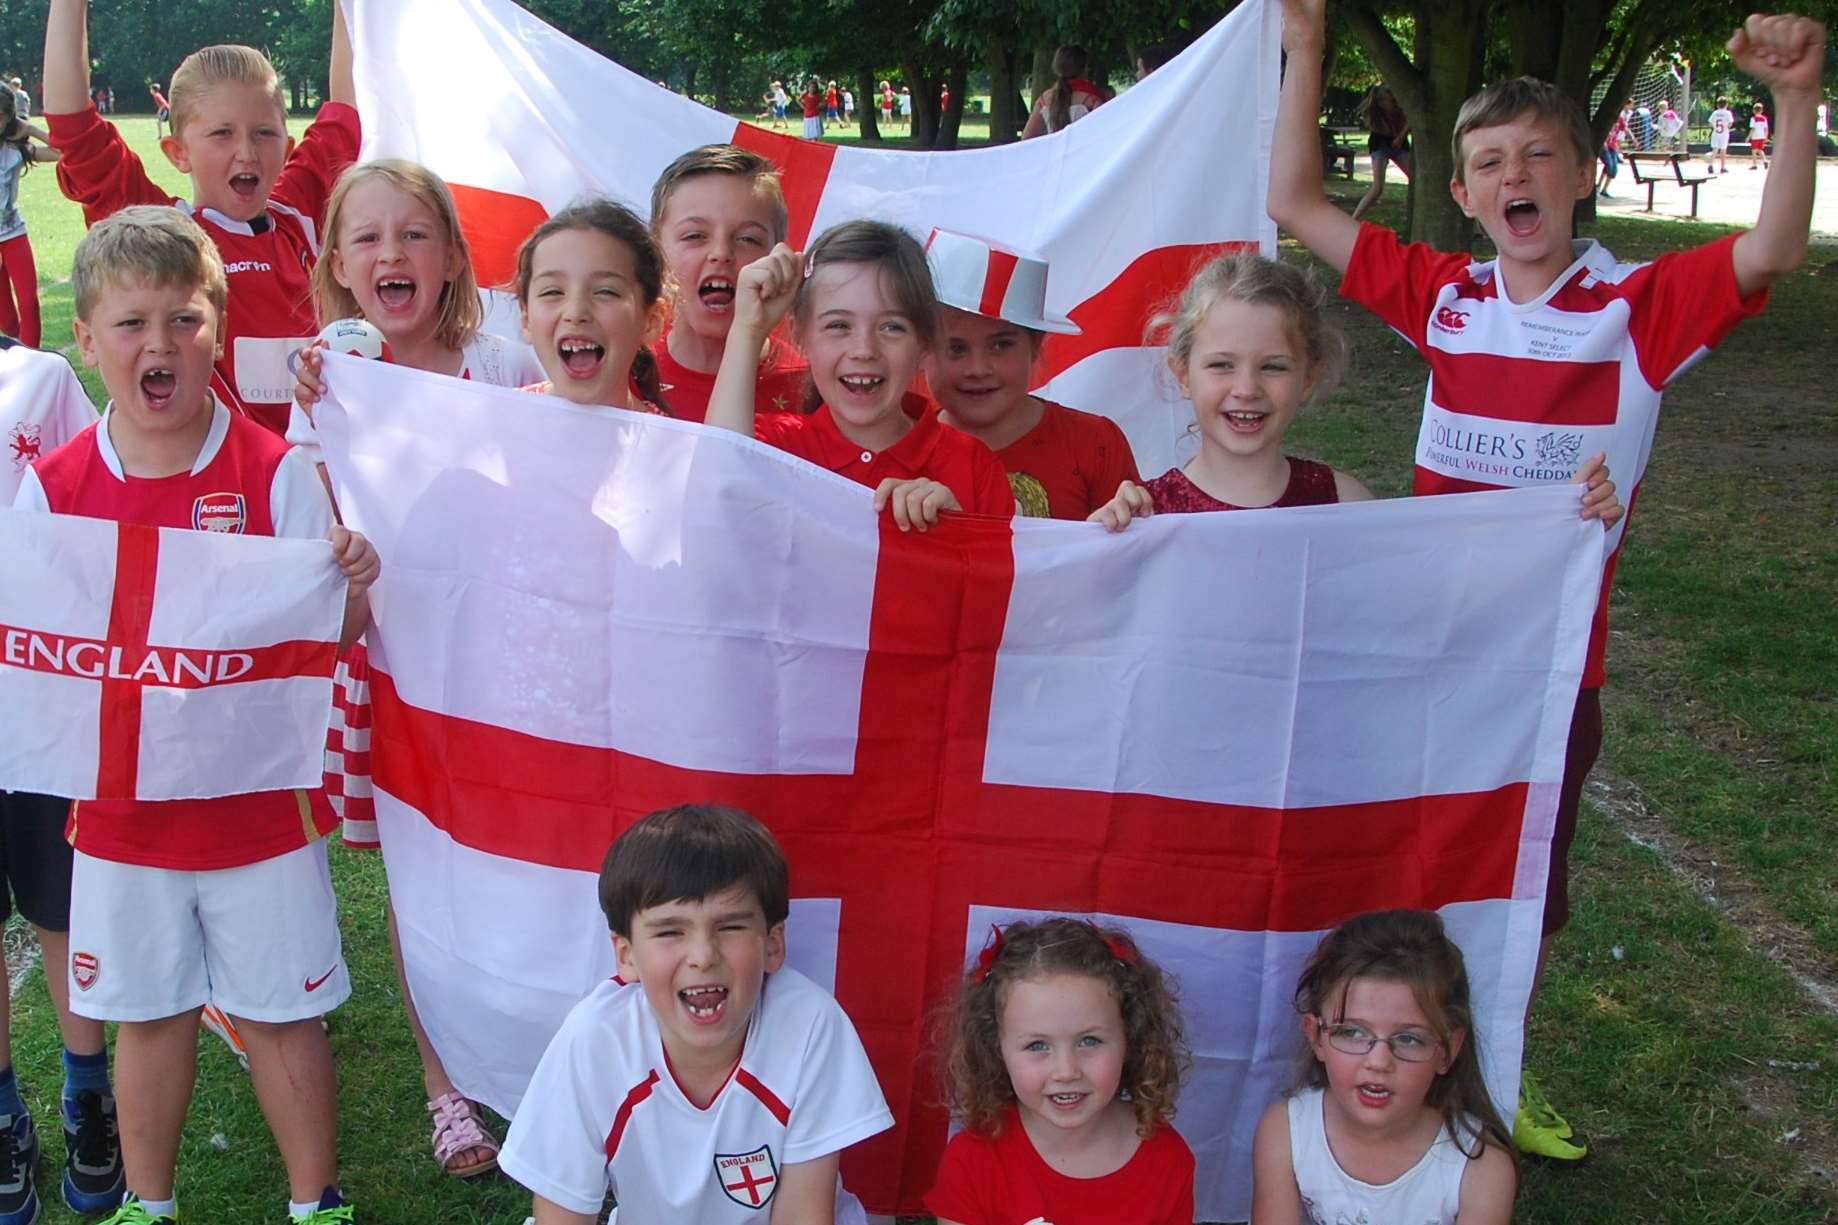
(1409, 947)
(148, 244)
(723, 159)
(1246, 276)
(1506, 101)
(9, 117)
(460, 312)
(691, 852)
(896, 253)
(208, 67)
(1156, 1057)
(621, 224)
(1068, 62)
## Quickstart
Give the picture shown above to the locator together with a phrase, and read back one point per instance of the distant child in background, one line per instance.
(1061, 463)
(708, 1082)
(887, 103)
(259, 196)
(1618, 131)
(590, 290)
(832, 103)
(715, 210)
(1670, 124)
(865, 315)
(812, 99)
(1393, 1121)
(1387, 140)
(1722, 122)
(19, 316)
(1065, 1061)
(1758, 137)
(162, 109)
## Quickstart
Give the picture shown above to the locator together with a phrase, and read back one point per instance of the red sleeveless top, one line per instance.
(1310, 484)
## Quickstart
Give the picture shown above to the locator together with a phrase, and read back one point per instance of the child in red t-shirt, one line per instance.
(1065, 1061)
(259, 196)
(865, 314)
(715, 210)
(1062, 463)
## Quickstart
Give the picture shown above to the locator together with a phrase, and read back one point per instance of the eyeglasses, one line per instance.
(1407, 1045)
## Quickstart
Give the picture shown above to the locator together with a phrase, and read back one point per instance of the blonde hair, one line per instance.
(208, 67)
(146, 244)
(460, 311)
(1245, 276)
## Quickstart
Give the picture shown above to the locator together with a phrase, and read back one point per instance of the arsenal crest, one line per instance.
(748, 1178)
(85, 969)
(219, 512)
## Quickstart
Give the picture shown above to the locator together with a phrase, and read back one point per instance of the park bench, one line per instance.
(1334, 148)
(1676, 168)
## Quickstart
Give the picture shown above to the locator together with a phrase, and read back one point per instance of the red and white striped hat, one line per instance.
(975, 275)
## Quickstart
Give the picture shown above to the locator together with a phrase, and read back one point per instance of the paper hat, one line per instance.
(975, 275)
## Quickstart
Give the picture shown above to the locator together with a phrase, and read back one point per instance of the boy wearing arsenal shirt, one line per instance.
(183, 903)
(708, 1082)
(260, 197)
(1583, 345)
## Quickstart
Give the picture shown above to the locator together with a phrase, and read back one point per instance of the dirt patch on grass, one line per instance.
(1767, 1092)
(1725, 886)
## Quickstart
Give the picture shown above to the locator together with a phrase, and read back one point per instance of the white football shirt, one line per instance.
(42, 406)
(604, 1109)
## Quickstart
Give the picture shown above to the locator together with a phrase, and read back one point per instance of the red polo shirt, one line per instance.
(930, 449)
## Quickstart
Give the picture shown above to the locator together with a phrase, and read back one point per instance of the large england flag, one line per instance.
(520, 119)
(1226, 731)
(159, 664)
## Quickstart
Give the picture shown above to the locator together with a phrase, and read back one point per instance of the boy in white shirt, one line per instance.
(1722, 121)
(707, 1081)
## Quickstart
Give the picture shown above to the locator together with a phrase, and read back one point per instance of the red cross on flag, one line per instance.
(160, 664)
(1226, 731)
(1122, 204)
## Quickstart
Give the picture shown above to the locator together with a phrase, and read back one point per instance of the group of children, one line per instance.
(1066, 1057)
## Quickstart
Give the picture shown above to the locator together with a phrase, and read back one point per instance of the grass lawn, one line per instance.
(1679, 1026)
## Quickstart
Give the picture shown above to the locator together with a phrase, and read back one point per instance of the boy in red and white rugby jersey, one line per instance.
(709, 1082)
(260, 197)
(1553, 351)
(184, 903)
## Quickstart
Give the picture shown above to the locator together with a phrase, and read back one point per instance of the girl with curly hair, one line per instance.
(1064, 1061)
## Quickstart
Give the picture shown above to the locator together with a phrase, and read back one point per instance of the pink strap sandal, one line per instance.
(459, 1128)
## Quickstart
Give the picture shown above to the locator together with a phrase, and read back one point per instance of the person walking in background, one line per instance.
(21, 144)
(1611, 153)
(1387, 140)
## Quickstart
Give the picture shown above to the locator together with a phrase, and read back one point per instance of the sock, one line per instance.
(84, 1072)
(160, 1207)
(299, 1211)
(10, 1102)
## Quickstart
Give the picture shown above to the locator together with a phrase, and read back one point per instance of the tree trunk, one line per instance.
(867, 103)
(957, 80)
(925, 104)
(723, 74)
(1005, 117)
(689, 78)
(1040, 77)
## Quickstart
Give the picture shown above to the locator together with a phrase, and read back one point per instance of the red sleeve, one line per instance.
(97, 169)
(1398, 281)
(316, 162)
(1682, 305)
(967, 1183)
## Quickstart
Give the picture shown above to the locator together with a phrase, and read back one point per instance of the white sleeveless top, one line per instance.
(1429, 1193)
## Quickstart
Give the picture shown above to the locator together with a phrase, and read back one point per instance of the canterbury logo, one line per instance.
(1450, 320)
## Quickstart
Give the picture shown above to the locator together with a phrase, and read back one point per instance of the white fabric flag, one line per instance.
(1123, 204)
(162, 664)
(1227, 731)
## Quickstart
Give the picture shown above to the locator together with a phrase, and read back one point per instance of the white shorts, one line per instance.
(1719, 144)
(259, 941)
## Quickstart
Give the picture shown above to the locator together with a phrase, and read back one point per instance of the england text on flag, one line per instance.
(1227, 731)
(159, 664)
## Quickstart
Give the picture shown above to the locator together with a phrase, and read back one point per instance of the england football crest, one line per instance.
(749, 1179)
(220, 512)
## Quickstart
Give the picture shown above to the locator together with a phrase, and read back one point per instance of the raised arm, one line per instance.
(1297, 200)
(762, 295)
(342, 84)
(1787, 54)
(66, 58)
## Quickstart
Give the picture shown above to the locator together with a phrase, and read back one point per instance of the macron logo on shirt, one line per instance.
(248, 265)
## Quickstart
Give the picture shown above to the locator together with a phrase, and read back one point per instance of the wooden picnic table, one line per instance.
(1679, 168)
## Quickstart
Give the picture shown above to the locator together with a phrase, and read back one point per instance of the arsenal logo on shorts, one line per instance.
(219, 512)
(84, 970)
(748, 1178)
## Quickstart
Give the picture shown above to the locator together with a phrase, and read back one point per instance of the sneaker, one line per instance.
(131, 1213)
(1539, 1131)
(332, 1210)
(219, 1023)
(18, 1154)
(93, 1179)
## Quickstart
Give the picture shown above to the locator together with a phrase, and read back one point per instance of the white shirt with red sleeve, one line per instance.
(42, 406)
(604, 1110)
(267, 261)
(1521, 393)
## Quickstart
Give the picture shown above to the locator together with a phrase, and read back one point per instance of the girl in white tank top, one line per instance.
(1393, 1124)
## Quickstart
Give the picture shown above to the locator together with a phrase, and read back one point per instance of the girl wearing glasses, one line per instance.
(1393, 1122)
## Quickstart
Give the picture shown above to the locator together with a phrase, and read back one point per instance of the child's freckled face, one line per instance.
(1521, 179)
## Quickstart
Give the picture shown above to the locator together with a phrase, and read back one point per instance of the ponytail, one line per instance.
(1068, 62)
(648, 380)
